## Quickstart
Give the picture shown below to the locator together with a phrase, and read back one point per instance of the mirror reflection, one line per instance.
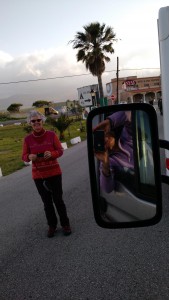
(124, 165)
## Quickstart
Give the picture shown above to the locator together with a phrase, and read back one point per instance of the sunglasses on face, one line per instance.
(37, 120)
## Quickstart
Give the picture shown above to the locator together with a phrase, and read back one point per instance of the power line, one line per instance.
(42, 79)
(70, 76)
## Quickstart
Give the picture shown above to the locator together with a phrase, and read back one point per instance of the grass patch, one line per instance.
(11, 141)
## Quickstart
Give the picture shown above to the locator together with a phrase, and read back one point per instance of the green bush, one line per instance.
(4, 116)
(27, 128)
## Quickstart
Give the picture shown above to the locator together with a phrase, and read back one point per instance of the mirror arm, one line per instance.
(165, 179)
(165, 145)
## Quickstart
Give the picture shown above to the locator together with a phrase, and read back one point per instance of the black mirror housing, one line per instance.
(125, 171)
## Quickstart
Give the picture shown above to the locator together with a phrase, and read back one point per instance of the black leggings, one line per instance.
(55, 196)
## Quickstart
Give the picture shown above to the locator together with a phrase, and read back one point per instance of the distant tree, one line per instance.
(41, 103)
(79, 108)
(62, 123)
(15, 107)
(4, 116)
(93, 45)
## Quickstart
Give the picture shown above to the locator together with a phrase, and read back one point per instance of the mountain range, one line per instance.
(26, 99)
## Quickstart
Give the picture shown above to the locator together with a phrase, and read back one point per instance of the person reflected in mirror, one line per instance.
(151, 101)
(118, 154)
(43, 148)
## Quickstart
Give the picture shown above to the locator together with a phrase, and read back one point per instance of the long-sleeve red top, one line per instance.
(39, 143)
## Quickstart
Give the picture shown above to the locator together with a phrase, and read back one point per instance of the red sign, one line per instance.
(130, 82)
(112, 97)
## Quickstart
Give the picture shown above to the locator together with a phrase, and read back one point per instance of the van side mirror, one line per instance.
(124, 165)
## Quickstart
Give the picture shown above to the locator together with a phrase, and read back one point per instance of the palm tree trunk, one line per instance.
(62, 136)
(101, 94)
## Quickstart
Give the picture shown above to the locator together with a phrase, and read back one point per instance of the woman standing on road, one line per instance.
(43, 147)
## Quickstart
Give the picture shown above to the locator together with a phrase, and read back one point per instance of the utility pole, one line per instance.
(117, 74)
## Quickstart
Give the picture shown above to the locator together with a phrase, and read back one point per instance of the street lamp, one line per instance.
(93, 96)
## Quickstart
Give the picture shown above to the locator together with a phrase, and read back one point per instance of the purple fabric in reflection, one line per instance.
(123, 159)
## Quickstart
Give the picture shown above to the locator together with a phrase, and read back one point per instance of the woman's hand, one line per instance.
(47, 155)
(102, 156)
(32, 157)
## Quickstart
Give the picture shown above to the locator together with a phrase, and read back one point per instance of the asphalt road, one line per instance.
(91, 264)
(10, 122)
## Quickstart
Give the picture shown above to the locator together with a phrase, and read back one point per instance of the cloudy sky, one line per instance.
(34, 38)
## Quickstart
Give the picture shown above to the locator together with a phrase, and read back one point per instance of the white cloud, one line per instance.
(4, 58)
(61, 64)
(58, 65)
(52, 62)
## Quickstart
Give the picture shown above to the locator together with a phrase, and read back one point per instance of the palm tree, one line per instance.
(62, 123)
(93, 45)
